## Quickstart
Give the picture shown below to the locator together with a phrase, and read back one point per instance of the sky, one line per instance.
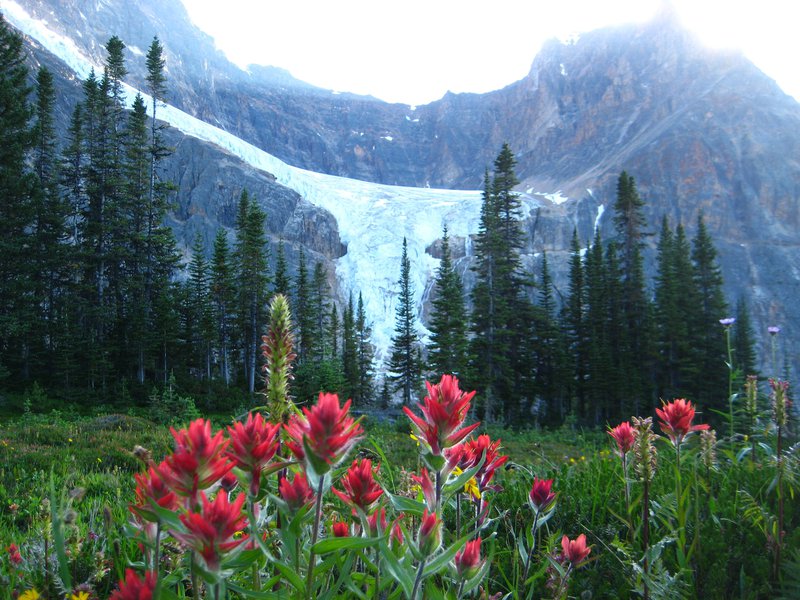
(416, 50)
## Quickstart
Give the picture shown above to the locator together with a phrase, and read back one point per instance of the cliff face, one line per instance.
(701, 131)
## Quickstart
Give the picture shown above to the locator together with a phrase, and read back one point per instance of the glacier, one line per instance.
(373, 218)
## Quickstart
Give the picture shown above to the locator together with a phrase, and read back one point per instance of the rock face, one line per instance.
(701, 131)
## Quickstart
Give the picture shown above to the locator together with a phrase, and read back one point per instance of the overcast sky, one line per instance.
(416, 50)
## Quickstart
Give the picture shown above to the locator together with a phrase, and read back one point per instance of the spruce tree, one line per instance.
(222, 300)
(281, 283)
(364, 392)
(350, 351)
(303, 311)
(744, 352)
(448, 326)
(404, 368)
(575, 326)
(202, 319)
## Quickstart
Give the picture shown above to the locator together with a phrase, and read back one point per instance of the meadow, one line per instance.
(661, 509)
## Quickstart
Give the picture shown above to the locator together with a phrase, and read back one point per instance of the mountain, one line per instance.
(701, 131)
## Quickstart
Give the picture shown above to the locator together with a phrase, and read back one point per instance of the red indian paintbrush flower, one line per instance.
(541, 497)
(474, 450)
(326, 430)
(676, 420)
(575, 551)
(443, 412)
(198, 461)
(134, 587)
(340, 529)
(623, 435)
(429, 537)
(210, 532)
(14, 557)
(376, 522)
(468, 560)
(423, 480)
(151, 487)
(360, 488)
(296, 492)
(253, 444)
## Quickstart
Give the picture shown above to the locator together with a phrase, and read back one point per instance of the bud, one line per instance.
(430, 533)
(644, 451)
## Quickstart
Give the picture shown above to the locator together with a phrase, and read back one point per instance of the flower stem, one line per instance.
(418, 579)
(646, 534)
(314, 534)
(254, 532)
(530, 552)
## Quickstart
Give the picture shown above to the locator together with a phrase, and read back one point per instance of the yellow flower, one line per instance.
(79, 596)
(31, 594)
(415, 438)
(572, 460)
(69, 439)
(471, 487)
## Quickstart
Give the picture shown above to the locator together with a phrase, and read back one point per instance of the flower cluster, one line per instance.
(676, 420)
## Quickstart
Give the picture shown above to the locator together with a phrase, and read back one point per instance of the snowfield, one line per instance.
(373, 219)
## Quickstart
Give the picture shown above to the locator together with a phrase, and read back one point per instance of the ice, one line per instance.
(373, 219)
(556, 198)
(600, 210)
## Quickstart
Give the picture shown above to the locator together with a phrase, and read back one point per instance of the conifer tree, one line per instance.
(350, 351)
(281, 283)
(404, 368)
(711, 383)
(575, 326)
(302, 302)
(222, 299)
(202, 320)
(448, 327)
(252, 280)
(319, 309)
(744, 353)
(364, 391)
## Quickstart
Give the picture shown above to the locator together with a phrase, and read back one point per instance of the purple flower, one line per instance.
(773, 330)
(727, 322)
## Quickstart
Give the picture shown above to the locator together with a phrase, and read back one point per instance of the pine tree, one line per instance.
(448, 326)
(364, 391)
(711, 383)
(252, 279)
(281, 284)
(403, 366)
(744, 352)
(222, 299)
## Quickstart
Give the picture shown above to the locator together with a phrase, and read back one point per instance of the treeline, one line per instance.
(613, 346)
(94, 301)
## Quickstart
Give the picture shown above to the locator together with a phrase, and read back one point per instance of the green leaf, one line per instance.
(247, 593)
(407, 505)
(58, 536)
(343, 543)
(444, 558)
(396, 569)
(290, 575)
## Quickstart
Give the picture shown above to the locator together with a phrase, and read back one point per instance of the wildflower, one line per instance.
(210, 532)
(229, 482)
(30, 594)
(133, 587)
(79, 596)
(296, 492)
(151, 488)
(780, 401)
(340, 529)
(468, 560)
(473, 451)
(443, 412)
(326, 430)
(727, 322)
(360, 488)
(253, 445)
(575, 551)
(376, 522)
(708, 448)
(429, 537)
(14, 557)
(623, 435)
(541, 498)
(472, 488)
(198, 461)
(425, 483)
(397, 534)
(645, 455)
(773, 330)
(676, 420)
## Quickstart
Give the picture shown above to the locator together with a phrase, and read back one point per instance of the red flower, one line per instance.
(443, 413)
(676, 420)
(540, 496)
(473, 450)
(430, 533)
(423, 480)
(623, 435)
(296, 493)
(151, 487)
(210, 532)
(135, 588)
(376, 522)
(253, 444)
(468, 560)
(326, 429)
(340, 529)
(360, 488)
(198, 461)
(575, 551)
(397, 534)
(14, 556)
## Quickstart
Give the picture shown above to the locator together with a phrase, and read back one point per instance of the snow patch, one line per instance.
(388, 138)
(600, 210)
(135, 50)
(563, 70)
(556, 197)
